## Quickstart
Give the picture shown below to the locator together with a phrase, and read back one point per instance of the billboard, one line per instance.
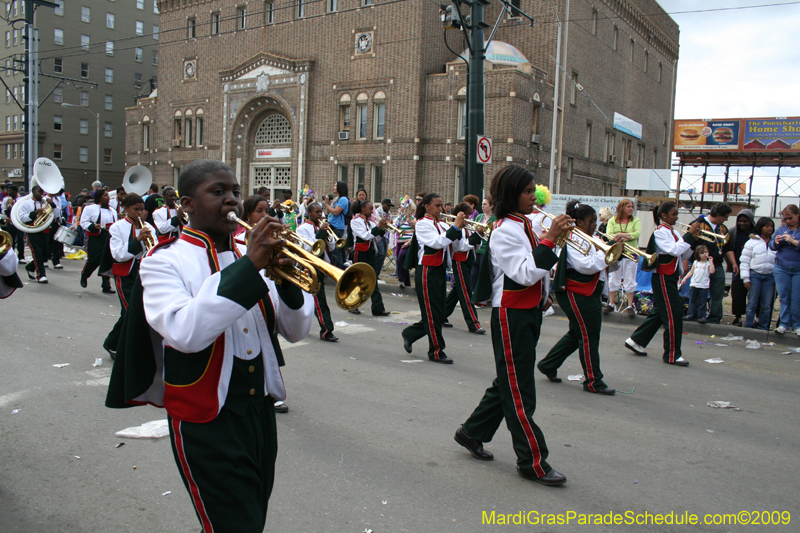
(715, 187)
(737, 135)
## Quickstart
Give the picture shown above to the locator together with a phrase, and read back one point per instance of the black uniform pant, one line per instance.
(738, 297)
(431, 287)
(125, 286)
(94, 254)
(585, 315)
(368, 257)
(669, 313)
(39, 243)
(462, 293)
(56, 247)
(512, 394)
(321, 310)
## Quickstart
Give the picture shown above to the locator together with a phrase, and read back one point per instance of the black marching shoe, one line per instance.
(111, 353)
(475, 447)
(83, 282)
(635, 348)
(552, 479)
(31, 275)
(330, 337)
(479, 331)
(553, 379)
(382, 313)
(442, 360)
(109, 291)
(680, 361)
(406, 344)
(607, 391)
(281, 407)
(447, 324)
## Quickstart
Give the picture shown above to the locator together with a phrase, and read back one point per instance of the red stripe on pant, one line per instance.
(119, 291)
(431, 329)
(519, 408)
(466, 295)
(35, 262)
(584, 346)
(668, 305)
(319, 315)
(194, 491)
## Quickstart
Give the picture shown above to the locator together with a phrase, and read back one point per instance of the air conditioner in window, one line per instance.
(535, 139)
(629, 163)
(612, 158)
(344, 135)
(176, 143)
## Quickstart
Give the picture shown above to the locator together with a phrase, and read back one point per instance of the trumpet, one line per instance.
(285, 207)
(150, 241)
(332, 237)
(583, 243)
(183, 218)
(631, 252)
(389, 226)
(354, 285)
(317, 247)
(471, 224)
(705, 235)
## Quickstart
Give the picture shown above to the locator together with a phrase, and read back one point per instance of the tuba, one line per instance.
(6, 243)
(47, 176)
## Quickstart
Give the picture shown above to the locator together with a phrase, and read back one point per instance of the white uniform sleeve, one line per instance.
(120, 233)
(88, 216)
(293, 324)
(586, 264)
(428, 236)
(25, 210)
(361, 229)
(462, 244)
(512, 257)
(666, 244)
(163, 221)
(307, 232)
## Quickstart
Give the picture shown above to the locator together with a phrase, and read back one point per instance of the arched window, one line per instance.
(379, 115)
(177, 130)
(199, 123)
(145, 133)
(361, 115)
(188, 129)
(344, 115)
(275, 129)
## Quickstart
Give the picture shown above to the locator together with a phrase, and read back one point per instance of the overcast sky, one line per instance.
(739, 63)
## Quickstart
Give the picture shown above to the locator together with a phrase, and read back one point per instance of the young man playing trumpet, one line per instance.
(365, 235)
(311, 230)
(463, 251)
(96, 219)
(168, 224)
(209, 350)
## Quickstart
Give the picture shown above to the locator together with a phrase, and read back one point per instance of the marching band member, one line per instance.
(405, 224)
(513, 277)
(56, 248)
(255, 208)
(311, 230)
(129, 242)
(39, 242)
(9, 280)
(365, 233)
(116, 202)
(12, 196)
(203, 342)
(543, 199)
(463, 251)
(96, 219)
(429, 254)
(579, 284)
(168, 224)
(672, 250)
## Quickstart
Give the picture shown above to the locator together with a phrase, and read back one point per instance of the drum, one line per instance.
(66, 235)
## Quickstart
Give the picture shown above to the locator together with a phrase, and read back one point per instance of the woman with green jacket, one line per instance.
(624, 227)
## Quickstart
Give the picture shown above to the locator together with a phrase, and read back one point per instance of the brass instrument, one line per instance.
(178, 207)
(354, 285)
(389, 226)
(471, 224)
(6, 243)
(332, 237)
(317, 247)
(705, 235)
(285, 207)
(150, 242)
(582, 242)
(633, 253)
(49, 178)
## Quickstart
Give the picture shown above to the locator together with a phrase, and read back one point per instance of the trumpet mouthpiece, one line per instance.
(232, 217)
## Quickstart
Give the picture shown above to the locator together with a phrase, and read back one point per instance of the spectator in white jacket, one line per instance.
(756, 265)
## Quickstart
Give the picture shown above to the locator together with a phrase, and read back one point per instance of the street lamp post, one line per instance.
(97, 118)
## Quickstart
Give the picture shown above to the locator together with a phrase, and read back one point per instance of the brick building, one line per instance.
(293, 92)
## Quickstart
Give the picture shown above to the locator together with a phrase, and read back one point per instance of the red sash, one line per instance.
(435, 258)
(527, 297)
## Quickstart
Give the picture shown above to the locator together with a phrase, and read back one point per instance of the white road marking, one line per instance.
(7, 399)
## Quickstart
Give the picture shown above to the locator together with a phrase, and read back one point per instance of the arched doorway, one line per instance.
(271, 165)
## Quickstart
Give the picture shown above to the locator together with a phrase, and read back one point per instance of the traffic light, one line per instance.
(449, 16)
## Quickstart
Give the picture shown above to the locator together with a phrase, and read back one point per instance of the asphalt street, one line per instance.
(368, 440)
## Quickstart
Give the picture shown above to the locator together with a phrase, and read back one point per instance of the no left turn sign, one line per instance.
(484, 150)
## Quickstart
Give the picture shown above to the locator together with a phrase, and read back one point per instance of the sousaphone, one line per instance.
(137, 180)
(47, 176)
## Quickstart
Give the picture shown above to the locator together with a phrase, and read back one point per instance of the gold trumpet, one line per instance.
(354, 286)
(471, 224)
(178, 207)
(6, 243)
(389, 226)
(582, 242)
(150, 241)
(705, 235)
(317, 247)
(631, 252)
(332, 237)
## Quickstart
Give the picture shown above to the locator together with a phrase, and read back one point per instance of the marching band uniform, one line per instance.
(365, 233)
(9, 280)
(56, 251)
(463, 254)
(311, 232)
(515, 277)
(433, 240)
(579, 285)
(672, 250)
(39, 242)
(167, 224)
(93, 219)
(127, 252)
(201, 340)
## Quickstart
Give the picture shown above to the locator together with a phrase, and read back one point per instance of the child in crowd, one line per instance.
(700, 276)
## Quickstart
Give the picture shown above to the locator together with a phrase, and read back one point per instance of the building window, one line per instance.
(616, 38)
(570, 166)
(59, 10)
(107, 156)
(16, 123)
(109, 75)
(16, 150)
(640, 156)
(137, 79)
(155, 58)
(58, 121)
(199, 121)
(86, 14)
(155, 7)
(83, 154)
(137, 54)
(109, 48)
(110, 20)
(16, 37)
(145, 136)
(535, 118)
(611, 141)
(360, 172)
(633, 44)
(8, 67)
(58, 95)
(84, 70)
(241, 18)
(8, 39)
(8, 123)
(214, 23)
(140, 4)
(84, 98)
(275, 129)
(177, 128)
(379, 115)
(300, 10)
(377, 183)
(594, 22)
(155, 32)
(588, 151)
(646, 59)
(85, 42)
(84, 126)
(58, 36)
(573, 93)
(56, 151)
(8, 151)
(333, 5)
(269, 13)
(344, 113)
(191, 28)
(139, 27)
(361, 110)
(187, 129)
(107, 129)
(655, 158)
(627, 154)
(341, 173)
(660, 71)
(58, 67)
(365, 3)
(109, 103)
(462, 119)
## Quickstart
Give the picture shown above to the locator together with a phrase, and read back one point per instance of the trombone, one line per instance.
(631, 252)
(150, 241)
(354, 285)
(582, 242)
(705, 235)
(472, 224)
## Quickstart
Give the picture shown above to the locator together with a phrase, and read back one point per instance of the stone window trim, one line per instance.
(461, 94)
